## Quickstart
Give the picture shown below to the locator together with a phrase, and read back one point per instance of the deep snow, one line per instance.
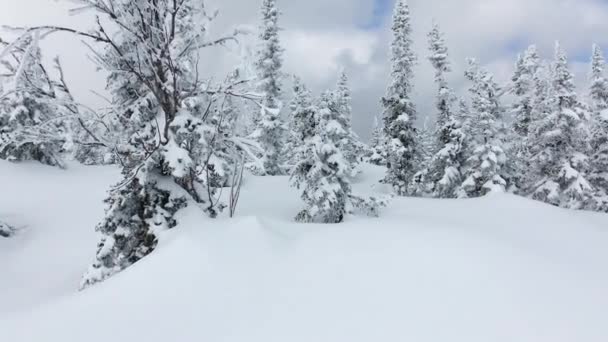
(500, 268)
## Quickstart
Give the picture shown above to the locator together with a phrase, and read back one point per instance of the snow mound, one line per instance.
(499, 268)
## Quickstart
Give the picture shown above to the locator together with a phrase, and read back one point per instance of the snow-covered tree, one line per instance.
(399, 110)
(523, 89)
(31, 123)
(352, 146)
(484, 171)
(598, 89)
(377, 153)
(175, 135)
(302, 125)
(323, 174)
(444, 172)
(558, 162)
(598, 93)
(270, 131)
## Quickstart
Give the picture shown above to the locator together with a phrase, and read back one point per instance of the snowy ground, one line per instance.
(495, 269)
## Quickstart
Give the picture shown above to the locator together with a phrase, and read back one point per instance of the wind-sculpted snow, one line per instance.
(499, 268)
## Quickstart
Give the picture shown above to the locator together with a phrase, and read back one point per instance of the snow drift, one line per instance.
(499, 268)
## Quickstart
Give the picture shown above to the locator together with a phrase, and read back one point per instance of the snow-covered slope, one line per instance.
(499, 268)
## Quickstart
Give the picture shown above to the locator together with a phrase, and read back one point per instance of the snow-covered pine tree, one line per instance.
(352, 147)
(485, 167)
(399, 110)
(270, 131)
(598, 89)
(598, 94)
(444, 172)
(302, 124)
(463, 114)
(377, 145)
(523, 89)
(558, 163)
(419, 186)
(323, 174)
(31, 127)
(169, 114)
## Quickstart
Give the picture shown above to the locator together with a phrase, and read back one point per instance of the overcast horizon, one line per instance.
(321, 36)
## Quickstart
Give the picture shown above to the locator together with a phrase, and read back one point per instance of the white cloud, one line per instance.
(316, 54)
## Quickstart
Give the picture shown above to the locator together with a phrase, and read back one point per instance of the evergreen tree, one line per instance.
(323, 174)
(377, 145)
(558, 163)
(598, 90)
(444, 173)
(598, 94)
(485, 168)
(270, 127)
(134, 216)
(352, 146)
(31, 126)
(302, 124)
(399, 111)
(523, 89)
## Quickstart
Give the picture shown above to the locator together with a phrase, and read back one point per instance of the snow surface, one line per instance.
(500, 268)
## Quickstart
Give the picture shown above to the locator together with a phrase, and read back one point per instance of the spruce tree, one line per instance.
(31, 124)
(558, 162)
(485, 167)
(377, 153)
(270, 127)
(444, 173)
(302, 124)
(352, 146)
(598, 93)
(399, 111)
(523, 89)
(323, 175)
(598, 89)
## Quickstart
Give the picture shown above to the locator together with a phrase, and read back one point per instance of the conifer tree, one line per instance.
(523, 89)
(352, 146)
(302, 124)
(558, 162)
(31, 127)
(444, 173)
(598, 90)
(377, 145)
(399, 111)
(270, 131)
(323, 175)
(485, 167)
(598, 93)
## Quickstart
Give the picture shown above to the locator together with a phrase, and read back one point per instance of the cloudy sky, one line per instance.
(321, 36)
